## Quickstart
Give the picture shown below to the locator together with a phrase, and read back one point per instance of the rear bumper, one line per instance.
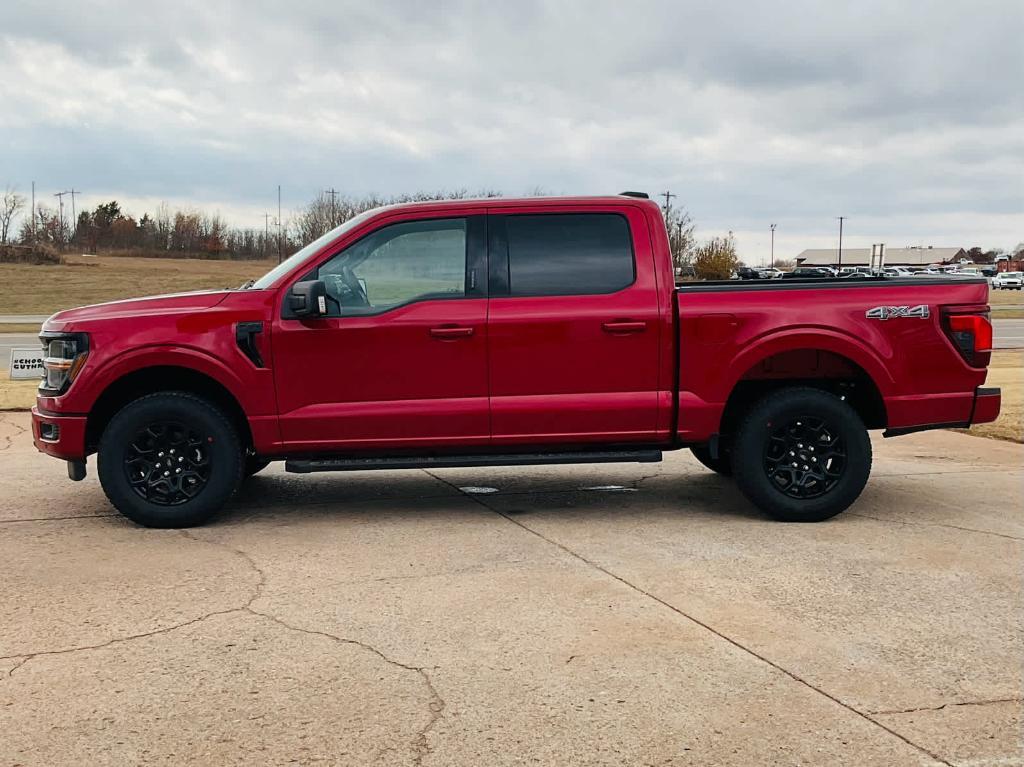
(59, 435)
(984, 408)
(987, 402)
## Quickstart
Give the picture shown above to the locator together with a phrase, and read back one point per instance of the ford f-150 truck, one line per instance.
(507, 331)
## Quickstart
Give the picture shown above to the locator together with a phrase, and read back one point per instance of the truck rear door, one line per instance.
(573, 326)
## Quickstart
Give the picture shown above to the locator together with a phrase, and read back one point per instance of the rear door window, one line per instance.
(561, 254)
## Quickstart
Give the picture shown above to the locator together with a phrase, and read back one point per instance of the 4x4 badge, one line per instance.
(891, 312)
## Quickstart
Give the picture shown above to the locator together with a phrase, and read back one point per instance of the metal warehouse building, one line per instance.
(916, 257)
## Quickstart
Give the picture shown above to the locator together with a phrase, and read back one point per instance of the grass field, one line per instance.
(45, 289)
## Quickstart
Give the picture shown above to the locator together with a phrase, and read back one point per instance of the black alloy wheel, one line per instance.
(168, 462)
(805, 458)
(801, 454)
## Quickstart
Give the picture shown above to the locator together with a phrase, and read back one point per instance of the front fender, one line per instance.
(93, 381)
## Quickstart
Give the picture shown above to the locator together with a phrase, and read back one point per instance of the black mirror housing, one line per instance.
(308, 299)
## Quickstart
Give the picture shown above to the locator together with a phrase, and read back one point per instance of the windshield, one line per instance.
(268, 279)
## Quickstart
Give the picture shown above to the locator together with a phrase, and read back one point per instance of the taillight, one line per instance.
(971, 334)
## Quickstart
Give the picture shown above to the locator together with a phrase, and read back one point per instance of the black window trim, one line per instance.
(499, 266)
(475, 265)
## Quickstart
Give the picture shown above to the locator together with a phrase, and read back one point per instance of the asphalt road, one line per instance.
(597, 615)
(1009, 334)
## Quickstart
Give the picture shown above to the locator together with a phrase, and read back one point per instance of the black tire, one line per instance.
(254, 465)
(802, 455)
(721, 465)
(179, 436)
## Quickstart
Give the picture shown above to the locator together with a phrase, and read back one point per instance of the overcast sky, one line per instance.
(907, 117)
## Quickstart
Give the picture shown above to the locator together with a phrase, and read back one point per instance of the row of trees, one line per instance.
(168, 232)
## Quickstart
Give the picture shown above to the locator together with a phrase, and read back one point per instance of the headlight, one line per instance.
(64, 354)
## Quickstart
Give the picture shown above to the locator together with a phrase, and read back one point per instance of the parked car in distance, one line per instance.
(898, 271)
(771, 273)
(821, 272)
(747, 273)
(1008, 281)
(457, 333)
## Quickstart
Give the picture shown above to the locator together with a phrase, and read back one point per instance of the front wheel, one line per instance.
(802, 455)
(169, 459)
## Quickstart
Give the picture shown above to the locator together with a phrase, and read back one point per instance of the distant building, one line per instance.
(919, 256)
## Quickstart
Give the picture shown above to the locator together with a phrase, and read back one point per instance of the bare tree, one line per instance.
(10, 205)
(681, 241)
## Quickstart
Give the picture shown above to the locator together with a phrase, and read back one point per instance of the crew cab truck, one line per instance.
(507, 331)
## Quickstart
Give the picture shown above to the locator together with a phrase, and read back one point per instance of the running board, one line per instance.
(460, 461)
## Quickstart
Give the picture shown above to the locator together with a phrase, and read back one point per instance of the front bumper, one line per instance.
(62, 436)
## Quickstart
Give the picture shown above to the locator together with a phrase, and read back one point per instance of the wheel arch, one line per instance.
(842, 368)
(157, 378)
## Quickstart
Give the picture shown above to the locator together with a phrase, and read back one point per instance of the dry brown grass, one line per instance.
(27, 289)
(16, 395)
(1006, 297)
(1006, 372)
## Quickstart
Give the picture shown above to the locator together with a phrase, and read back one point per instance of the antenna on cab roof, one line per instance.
(641, 195)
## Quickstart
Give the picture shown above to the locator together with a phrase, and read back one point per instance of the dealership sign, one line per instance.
(26, 363)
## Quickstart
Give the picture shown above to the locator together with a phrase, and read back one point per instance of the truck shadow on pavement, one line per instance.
(282, 496)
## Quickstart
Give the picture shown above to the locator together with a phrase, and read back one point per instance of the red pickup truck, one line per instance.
(507, 331)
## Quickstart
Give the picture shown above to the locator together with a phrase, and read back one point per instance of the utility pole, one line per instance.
(279, 223)
(773, 246)
(33, 212)
(668, 201)
(74, 218)
(841, 219)
(60, 198)
(333, 193)
(266, 232)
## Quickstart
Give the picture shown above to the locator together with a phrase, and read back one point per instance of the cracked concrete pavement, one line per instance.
(393, 618)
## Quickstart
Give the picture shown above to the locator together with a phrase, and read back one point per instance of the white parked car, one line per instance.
(898, 271)
(1008, 281)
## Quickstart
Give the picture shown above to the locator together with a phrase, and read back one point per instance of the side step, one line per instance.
(457, 461)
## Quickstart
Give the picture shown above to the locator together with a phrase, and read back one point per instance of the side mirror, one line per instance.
(308, 299)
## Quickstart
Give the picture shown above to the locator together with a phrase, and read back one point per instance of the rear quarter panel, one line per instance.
(724, 333)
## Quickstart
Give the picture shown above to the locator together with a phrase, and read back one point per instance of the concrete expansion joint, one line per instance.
(936, 759)
(932, 524)
(948, 705)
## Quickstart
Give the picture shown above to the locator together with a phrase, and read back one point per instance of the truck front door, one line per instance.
(400, 359)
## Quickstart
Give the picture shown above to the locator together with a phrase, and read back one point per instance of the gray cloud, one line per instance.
(908, 117)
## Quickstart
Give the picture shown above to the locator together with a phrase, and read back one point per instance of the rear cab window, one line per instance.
(561, 254)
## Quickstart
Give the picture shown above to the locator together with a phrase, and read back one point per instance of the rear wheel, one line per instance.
(802, 455)
(169, 460)
(721, 465)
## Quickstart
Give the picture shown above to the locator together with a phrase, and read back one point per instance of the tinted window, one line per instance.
(398, 264)
(569, 254)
